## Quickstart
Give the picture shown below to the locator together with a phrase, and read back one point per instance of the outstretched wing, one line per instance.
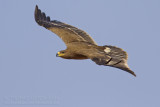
(109, 56)
(118, 59)
(66, 32)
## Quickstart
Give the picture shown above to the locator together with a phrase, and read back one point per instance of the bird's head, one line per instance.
(60, 53)
(63, 54)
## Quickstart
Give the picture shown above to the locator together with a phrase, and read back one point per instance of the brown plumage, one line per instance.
(81, 46)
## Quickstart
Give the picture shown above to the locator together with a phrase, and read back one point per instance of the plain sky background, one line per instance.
(32, 76)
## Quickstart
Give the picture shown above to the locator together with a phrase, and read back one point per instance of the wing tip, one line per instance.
(134, 74)
(40, 17)
(36, 6)
(36, 14)
(126, 68)
(131, 72)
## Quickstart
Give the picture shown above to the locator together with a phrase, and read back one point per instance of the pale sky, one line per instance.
(32, 76)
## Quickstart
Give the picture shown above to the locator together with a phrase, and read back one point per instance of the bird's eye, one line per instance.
(62, 52)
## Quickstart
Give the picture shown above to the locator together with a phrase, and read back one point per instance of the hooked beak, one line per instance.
(57, 55)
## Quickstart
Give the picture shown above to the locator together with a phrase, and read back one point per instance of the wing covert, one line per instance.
(66, 32)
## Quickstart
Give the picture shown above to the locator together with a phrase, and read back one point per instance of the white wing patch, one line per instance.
(107, 50)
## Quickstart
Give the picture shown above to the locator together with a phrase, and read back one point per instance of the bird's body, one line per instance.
(79, 50)
(73, 52)
(81, 46)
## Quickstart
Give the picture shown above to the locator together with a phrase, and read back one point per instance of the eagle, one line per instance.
(81, 46)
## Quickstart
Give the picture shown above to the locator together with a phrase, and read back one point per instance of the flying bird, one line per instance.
(81, 46)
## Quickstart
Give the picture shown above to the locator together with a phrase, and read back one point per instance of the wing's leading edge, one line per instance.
(66, 32)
